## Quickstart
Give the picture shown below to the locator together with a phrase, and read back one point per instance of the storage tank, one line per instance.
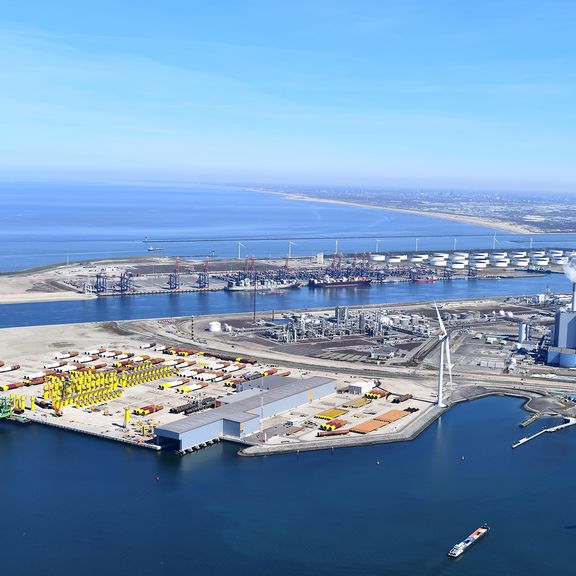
(500, 263)
(520, 262)
(540, 261)
(463, 254)
(518, 254)
(479, 264)
(480, 255)
(423, 256)
(457, 265)
(378, 258)
(214, 326)
(394, 260)
(499, 255)
(555, 253)
(416, 260)
(403, 257)
(435, 261)
(458, 257)
(538, 254)
(559, 260)
(443, 255)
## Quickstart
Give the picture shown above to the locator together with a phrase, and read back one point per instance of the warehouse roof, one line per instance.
(239, 411)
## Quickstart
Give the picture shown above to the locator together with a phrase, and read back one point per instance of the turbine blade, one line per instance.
(442, 327)
(448, 359)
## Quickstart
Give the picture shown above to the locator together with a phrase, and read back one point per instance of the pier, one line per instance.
(568, 422)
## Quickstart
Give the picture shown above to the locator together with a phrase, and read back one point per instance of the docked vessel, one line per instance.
(267, 286)
(339, 282)
(461, 547)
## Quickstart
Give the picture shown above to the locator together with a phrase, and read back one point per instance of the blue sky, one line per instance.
(443, 93)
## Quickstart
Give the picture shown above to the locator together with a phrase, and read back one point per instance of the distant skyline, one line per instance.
(357, 92)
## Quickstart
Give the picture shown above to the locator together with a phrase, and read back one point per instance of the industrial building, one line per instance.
(562, 351)
(240, 414)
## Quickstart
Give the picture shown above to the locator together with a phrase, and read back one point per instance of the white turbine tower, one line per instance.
(290, 244)
(444, 338)
(240, 245)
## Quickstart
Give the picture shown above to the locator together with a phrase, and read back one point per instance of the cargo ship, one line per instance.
(247, 285)
(461, 547)
(338, 282)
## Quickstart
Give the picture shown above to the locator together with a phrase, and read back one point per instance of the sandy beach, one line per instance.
(510, 227)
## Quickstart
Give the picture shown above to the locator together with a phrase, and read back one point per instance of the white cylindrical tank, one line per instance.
(479, 264)
(540, 261)
(518, 254)
(499, 255)
(538, 254)
(438, 262)
(464, 254)
(394, 260)
(559, 260)
(416, 259)
(458, 257)
(457, 265)
(520, 262)
(480, 255)
(403, 257)
(214, 326)
(443, 255)
(500, 263)
(378, 258)
(555, 253)
(423, 256)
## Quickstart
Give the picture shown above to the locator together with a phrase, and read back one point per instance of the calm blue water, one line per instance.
(48, 223)
(77, 505)
(165, 305)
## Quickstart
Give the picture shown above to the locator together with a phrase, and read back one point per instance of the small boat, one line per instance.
(461, 547)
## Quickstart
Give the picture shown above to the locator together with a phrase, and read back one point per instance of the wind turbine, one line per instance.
(444, 339)
(290, 244)
(240, 245)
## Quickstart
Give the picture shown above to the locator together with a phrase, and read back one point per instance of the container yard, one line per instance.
(162, 274)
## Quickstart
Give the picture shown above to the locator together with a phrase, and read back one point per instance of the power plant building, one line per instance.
(562, 352)
(240, 414)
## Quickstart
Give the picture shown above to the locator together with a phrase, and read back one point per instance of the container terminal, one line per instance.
(300, 380)
(161, 274)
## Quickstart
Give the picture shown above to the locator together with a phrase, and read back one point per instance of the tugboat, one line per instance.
(461, 547)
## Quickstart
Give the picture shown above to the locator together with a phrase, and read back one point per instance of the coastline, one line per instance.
(36, 297)
(509, 227)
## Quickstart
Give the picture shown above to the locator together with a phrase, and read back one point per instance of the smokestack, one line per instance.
(573, 303)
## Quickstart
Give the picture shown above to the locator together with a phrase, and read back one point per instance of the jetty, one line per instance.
(567, 422)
